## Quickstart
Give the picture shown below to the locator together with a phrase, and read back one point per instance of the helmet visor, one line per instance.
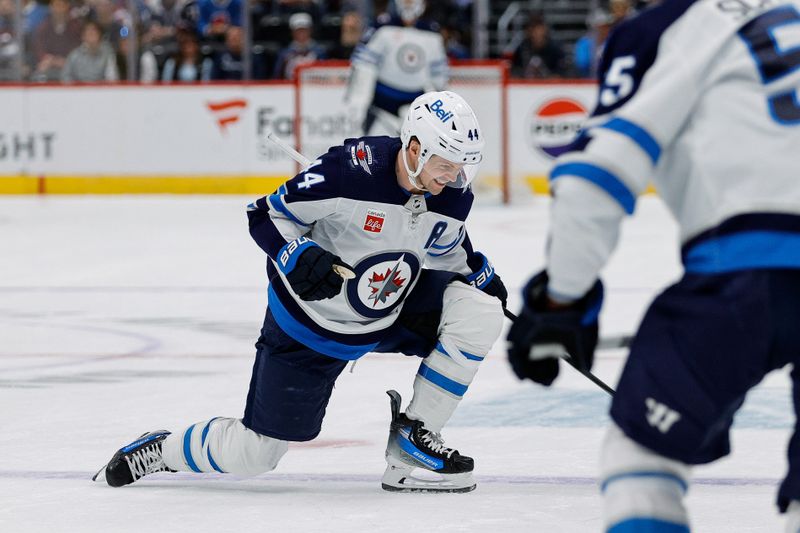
(465, 177)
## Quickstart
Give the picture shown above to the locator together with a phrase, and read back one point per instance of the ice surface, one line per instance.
(120, 315)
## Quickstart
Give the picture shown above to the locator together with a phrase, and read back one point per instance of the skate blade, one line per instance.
(100, 476)
(402, 480)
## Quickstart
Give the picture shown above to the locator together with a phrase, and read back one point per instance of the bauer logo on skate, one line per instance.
(554, 124)
(374, 221)
(382, 281)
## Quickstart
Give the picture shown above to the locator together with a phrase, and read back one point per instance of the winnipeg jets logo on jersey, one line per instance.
(382, 282)
(361, 156)
(410, 57)
(385, 285)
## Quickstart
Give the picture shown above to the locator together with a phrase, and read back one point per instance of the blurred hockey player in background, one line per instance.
(388, 214)
(396, 62)
(702, 97)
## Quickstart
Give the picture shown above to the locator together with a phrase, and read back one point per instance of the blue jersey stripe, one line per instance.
(277, 203)
(743, 251)
(637, 134)
(442, 381)
(600, 177)
(366, 50)
(649, 525)
(318, 343)
(187, 449)
(645, 474)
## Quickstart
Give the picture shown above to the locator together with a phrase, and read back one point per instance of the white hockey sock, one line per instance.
(642, 491)
(222, 445)
(438, 388)
(470, 323)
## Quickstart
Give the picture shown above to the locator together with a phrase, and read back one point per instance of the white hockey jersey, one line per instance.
(394, 64)
(349, 202)
(702, 98)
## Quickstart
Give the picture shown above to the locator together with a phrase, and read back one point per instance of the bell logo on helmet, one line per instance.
(436, 108)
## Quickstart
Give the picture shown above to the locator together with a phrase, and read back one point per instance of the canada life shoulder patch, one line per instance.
(361, 156)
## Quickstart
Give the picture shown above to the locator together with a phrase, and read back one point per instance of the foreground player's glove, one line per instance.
(487, 280)
(309, 269)
(545, 331)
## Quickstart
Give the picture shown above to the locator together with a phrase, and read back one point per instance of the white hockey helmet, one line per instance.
(445, 125)
(410, 10)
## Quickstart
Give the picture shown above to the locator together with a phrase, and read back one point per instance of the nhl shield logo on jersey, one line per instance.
(381, 283)
(361, 156)
(374, 221)
(554, 125)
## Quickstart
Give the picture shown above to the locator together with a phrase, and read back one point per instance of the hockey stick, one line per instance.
(594, 379)
(344, 272)
(288, 150)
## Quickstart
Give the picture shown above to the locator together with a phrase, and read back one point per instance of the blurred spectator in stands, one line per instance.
(620, 10)
(452, 42)
(351, 30)
(165, 17)
(381, 12)
(147, 69)
(228, 63)
(303, 49)
(216, 16)
(110, 19)
(94, 60)
(54, 39)
(187, 64)
(538, 56)
(9, 46)
(589, 47)
(35, 11)
(316, 8)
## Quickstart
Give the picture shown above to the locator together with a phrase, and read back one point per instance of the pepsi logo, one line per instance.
(553, 125)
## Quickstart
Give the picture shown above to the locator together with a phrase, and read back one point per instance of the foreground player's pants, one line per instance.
(703, 344)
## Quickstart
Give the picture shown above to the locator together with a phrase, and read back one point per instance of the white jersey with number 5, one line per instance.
(703, 98)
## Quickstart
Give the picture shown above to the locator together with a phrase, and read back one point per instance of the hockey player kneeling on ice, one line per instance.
(388, 215)
(724, 160)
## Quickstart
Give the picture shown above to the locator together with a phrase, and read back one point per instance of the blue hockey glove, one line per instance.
(543, 333)
(309, 269)
(487, 280)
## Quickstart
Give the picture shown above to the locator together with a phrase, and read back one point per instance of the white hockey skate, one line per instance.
(412, 448)
(134, 461)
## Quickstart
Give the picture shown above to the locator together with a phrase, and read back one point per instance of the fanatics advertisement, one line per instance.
(218, 132)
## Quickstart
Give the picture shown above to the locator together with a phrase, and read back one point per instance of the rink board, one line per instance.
(212, 138)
